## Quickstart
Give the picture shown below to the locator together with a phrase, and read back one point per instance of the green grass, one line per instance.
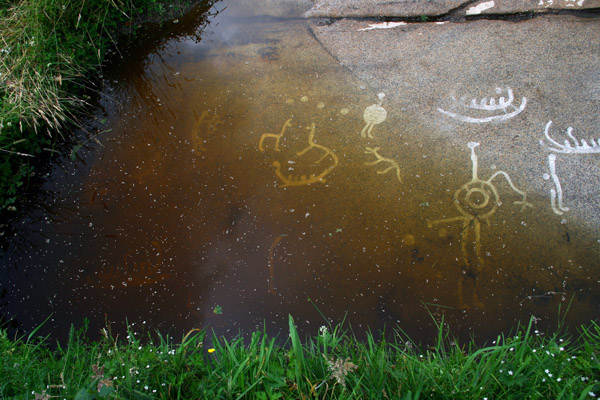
(331, 364)
(50, 51)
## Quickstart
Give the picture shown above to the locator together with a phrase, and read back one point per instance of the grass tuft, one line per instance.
(50, 52)
(330, 364)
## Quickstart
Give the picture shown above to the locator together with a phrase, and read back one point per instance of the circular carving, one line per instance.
(477, 199)
(375, 114)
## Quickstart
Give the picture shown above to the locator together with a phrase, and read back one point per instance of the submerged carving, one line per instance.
(484, 106)
(477, 201)
(373, 115)
(134, 272)
(204, 125)
(276, 136)
(291, 180)
(380, 158)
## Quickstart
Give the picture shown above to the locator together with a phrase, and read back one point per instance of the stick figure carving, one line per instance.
(558, 192)
(373, 115)
(476, 201)
(572, 145)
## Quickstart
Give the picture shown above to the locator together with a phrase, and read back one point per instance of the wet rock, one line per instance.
(271, 8)
(443, 73)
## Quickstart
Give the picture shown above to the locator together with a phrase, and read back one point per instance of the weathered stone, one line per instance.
(377, 8)
(443, 73)
(518, 6)
(413, 8)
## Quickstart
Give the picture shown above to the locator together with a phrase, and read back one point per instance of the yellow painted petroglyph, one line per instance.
(277, 136)
(204, 126)
(302, 180)
(373, 115)
(380, 158)
(476, 201)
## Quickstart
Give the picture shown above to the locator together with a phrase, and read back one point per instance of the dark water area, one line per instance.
(228, 180)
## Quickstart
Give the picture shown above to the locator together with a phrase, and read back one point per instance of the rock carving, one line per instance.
(380, 158)
(558, 192)
(301, 180)
(571, 146)
(485, 106)
(373, 115)
(568, 148)
(477, 200)
(203, 126)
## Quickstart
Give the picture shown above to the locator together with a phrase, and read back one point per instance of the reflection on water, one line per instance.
(247, 172)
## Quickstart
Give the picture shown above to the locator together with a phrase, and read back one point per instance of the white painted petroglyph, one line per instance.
(477, 201)
(558, 192)
(571, 146)
(575, 148)
(383, 25)
(478, 9)
(567, 3)
(503, 104)
(373, 115)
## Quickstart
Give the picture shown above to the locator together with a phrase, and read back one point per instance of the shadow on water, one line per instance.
(242, 171)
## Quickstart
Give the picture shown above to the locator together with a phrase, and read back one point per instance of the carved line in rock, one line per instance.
(373, 115)
(558, 192)
(206, 124)
(576, 147)
(476, 201)
(503, 104)
(380, 158)
(291, 180)
(572, 145)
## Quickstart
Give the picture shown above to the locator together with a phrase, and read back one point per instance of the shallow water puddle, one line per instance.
(248, 176)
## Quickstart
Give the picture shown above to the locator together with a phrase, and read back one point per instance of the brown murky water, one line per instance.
(230, 181)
